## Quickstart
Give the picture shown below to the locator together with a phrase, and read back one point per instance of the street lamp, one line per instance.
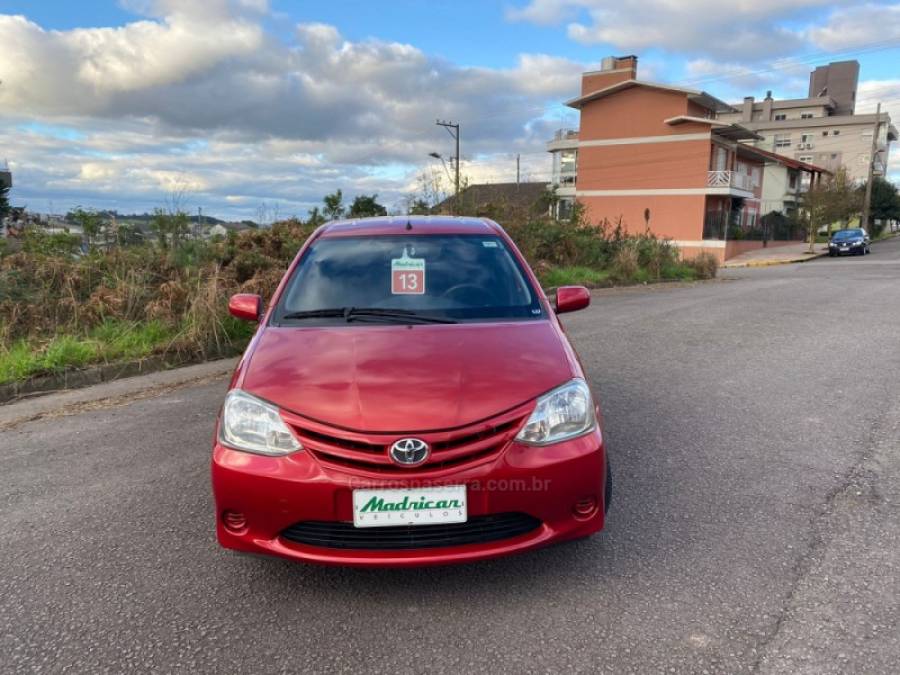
(437, 155)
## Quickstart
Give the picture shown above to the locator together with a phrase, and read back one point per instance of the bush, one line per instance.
(625, 264)
(706, 265)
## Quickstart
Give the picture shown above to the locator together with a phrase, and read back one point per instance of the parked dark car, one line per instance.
(854, 241)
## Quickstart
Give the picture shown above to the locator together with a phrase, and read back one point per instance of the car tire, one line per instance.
(607, 490)
(831, 254)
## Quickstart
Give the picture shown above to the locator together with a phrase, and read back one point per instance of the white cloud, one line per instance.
(858, 25)
(749, 29)
(199, 94)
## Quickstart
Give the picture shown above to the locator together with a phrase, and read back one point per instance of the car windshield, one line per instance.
(434, 277)
(848, 234)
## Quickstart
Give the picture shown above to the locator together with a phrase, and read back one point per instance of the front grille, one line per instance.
(478, 530)
(450, 449)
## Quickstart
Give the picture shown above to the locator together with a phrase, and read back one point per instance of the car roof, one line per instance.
(387, 225)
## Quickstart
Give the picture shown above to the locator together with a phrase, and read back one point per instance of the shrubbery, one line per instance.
(59, 308)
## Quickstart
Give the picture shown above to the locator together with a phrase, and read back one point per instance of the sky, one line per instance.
(257, 108)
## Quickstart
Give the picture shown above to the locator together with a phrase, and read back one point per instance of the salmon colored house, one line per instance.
(654, 156)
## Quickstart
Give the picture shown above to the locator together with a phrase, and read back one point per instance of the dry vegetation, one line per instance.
(59, 310)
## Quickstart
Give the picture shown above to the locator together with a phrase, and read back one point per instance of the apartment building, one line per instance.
(657, 157)
(822, 129)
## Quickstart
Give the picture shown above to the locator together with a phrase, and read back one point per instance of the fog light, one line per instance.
(585, 507)
(235, 521)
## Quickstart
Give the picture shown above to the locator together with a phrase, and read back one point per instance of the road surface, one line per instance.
(753, 428)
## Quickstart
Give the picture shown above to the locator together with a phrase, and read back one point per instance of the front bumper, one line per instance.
(274, 493)
(848, 250)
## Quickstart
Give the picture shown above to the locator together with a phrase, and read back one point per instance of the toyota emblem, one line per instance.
(410, 451)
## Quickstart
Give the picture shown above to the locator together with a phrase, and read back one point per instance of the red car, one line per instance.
(410, 398)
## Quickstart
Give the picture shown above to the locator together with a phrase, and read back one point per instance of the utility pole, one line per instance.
(517, 171)
(453, 130)
(867, 203)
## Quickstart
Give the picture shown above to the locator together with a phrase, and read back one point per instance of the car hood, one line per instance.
(407, 378)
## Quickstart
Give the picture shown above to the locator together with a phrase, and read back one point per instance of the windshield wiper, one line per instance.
(355, 313)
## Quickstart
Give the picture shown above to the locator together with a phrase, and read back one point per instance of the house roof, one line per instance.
(787, 161)
(708, 101)
(732, 132)
(785, 103)
(515, 195)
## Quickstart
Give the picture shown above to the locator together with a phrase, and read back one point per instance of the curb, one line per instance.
(112, 393)
(769, 263)
(76, 378)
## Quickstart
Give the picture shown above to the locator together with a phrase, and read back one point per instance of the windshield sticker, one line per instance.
(490, 244)
(407, 275)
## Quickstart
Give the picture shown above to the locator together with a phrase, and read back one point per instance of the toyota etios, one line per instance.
(409, 398)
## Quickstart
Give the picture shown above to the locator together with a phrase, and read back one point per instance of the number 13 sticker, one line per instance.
(408, 275)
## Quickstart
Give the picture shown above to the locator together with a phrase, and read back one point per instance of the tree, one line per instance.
(830, 200)
(364, 206)
(170, 228)
(90, 223)
(417, 207)
(885, 203)
(334, 205)
(315, 217)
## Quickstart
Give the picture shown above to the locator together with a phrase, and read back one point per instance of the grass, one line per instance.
(588, 276)
(573, 276)
(110, 341)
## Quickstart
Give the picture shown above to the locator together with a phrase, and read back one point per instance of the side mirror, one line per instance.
(572, 298)
(245, 306)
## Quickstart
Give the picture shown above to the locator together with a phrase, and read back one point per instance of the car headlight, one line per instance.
(561, 414)
(253, 425)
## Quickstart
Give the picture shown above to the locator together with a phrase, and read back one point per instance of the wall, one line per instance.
(672, 217)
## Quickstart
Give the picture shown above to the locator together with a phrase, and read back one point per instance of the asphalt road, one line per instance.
(753, 425)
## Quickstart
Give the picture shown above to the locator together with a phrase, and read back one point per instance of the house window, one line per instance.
(806, 158)
(806, 138)
(806, 116)
(780, 117)
(782, 140)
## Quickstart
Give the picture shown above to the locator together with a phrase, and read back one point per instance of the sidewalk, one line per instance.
(56, 402)
(777, 255)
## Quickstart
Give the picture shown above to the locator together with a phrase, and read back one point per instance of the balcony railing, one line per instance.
(729, 179)
(565, 134)
(564, 179)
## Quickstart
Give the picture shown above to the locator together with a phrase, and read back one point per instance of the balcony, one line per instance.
(565, 134)
(563, 139)
(729, 179)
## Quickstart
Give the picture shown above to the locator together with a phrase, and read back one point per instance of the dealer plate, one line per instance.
(422, 506)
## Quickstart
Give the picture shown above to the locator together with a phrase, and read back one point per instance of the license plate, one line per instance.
(422, 506)
(845, 248)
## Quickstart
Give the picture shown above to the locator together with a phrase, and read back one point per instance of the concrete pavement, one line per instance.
(752, 425)
(777, 255)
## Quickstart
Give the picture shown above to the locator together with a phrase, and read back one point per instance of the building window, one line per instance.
(824, 133)
(836, 132)
(782, 140)
(806, 116)
(564, 209)
(780, 117)
(805, 158)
